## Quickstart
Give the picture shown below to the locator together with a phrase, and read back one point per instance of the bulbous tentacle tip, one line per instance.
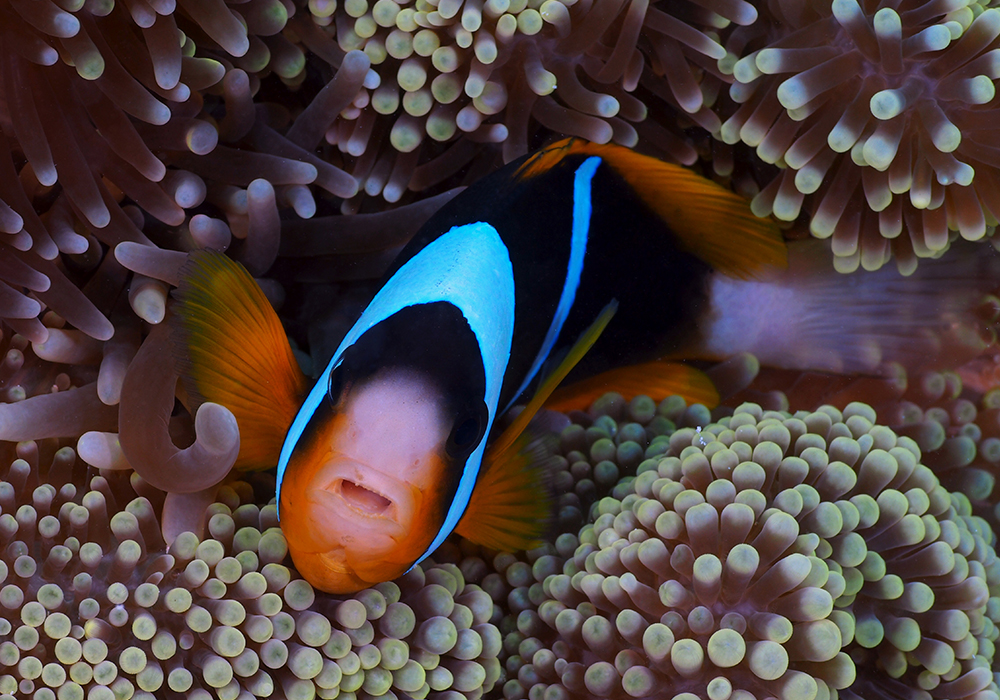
(218, 434)
(147, 399)
(735, 373)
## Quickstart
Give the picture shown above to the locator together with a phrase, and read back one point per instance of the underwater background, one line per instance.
(813, 536)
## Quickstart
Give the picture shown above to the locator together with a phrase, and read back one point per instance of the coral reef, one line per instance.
(790, 555)
(882, 117)
(91, 605)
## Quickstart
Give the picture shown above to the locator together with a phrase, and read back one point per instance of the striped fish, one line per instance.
(578, 258)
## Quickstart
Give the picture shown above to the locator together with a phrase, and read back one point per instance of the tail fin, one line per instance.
(812, 317)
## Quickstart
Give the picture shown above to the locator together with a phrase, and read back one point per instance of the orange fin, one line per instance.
(658, 380)
(709, 220)
(232, 350)
(511, 506)
(545, 389)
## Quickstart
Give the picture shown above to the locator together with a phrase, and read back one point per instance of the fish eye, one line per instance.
(468, 430)
(338, 380)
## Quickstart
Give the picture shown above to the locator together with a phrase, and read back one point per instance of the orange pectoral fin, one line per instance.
(658, 380)
(232, 350)
(511, 506)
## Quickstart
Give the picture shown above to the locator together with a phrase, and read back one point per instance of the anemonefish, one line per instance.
(579, 258)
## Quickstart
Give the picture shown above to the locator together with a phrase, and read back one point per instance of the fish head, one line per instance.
(366, 491)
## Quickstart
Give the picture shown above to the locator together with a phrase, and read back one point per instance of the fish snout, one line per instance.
(351, 527)
(350, 500)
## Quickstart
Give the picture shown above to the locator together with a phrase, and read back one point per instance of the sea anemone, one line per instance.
(123, 120)
(958, 437)
(40, 399)
(956, 428)
(494, 71)
(768, 554)
(610, 442)
(883, 117)
(93, 605)
(123, 87)
(780, 389)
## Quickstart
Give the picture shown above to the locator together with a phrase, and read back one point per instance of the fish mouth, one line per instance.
(362, 498)
(347, 497)
(345, 513)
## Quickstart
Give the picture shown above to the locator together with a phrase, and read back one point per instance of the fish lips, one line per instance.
(350, 502)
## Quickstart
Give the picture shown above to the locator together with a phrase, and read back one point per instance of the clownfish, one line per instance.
(576, 259)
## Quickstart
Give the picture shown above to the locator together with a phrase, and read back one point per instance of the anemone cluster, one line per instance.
(137, 132)
(766, 552)
(882, 117)
(93, 605)
(489, 71)
(946, 414)
(163, 115)
(802, 555)
(128, 121)
(607, 444)
(769, 555)
(959, 438)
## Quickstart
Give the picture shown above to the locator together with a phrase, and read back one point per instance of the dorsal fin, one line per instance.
(231, 349)
(511, 506)
(657, 380)
(709, 221)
